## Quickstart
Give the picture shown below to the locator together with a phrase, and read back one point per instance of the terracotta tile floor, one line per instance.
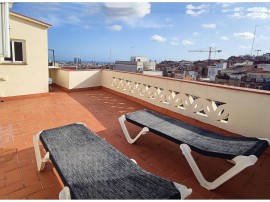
(99, 109)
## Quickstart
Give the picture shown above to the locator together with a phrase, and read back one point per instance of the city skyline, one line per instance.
(107, 31)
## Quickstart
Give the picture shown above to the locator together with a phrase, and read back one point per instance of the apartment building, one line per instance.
(139, 64)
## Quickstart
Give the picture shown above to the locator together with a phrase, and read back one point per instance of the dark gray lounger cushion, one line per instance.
(93, 169)
(200, 140)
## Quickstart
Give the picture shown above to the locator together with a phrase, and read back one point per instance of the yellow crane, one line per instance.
(211, 50)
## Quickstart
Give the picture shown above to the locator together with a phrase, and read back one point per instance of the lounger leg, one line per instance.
(122, 120)
(40, 161)
(184, 191)
(241, 162)
(65, 194)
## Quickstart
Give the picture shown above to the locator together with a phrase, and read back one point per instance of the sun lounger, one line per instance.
(90, 168)
(242, 151)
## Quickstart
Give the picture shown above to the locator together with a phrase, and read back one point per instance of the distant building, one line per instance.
(212, 73)
(213, 70)
(228, 80)
(186, 65)
(263, 65)
(266, 56)
(246, 74)
(77, 61)
(139, 65)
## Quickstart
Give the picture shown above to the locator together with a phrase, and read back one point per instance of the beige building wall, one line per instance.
(84, 79)
(60, 77)
(32, 76)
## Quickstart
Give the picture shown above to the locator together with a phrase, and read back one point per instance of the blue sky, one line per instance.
(157, 30)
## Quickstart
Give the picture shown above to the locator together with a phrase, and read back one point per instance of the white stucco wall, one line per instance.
(73, 79)
(84, 79)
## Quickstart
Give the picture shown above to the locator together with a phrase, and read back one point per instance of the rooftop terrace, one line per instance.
(100, 109)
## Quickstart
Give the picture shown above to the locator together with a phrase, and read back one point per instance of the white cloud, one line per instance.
(225, 5)
(126, 11)
(245, 47)
(133, 14)
(187, 42)
(202, 6)
(192, 12)
(258, 9)
(190, 7)
(209, 26)
(157, 38)
(73, 19)
(264, 37)
(168, 19)
(93, 8)
(87, 27)
(175, 41)
(195, 33)
(238, 15)
(115, 27)
(196, 10)
(149, 23)
(250, 13)
(225, 38)
(46, 6)
(258, 15)
(52, 19)
(244, 35)
(90, 13)
(57, 14)
(236, 9)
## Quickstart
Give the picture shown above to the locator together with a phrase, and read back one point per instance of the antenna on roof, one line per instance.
(253, 40)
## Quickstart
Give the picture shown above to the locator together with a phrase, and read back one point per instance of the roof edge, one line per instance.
(30, 19)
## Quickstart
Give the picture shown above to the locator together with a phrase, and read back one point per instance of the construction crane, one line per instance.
(211, 50)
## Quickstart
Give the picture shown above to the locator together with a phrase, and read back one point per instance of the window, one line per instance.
(17, 52)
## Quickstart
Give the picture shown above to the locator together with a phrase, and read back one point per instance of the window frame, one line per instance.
(12, 52)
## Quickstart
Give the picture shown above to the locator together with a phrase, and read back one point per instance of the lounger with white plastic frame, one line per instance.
(242, 151)
(90, 168)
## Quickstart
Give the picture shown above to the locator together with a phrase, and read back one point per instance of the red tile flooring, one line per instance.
(99, 110)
